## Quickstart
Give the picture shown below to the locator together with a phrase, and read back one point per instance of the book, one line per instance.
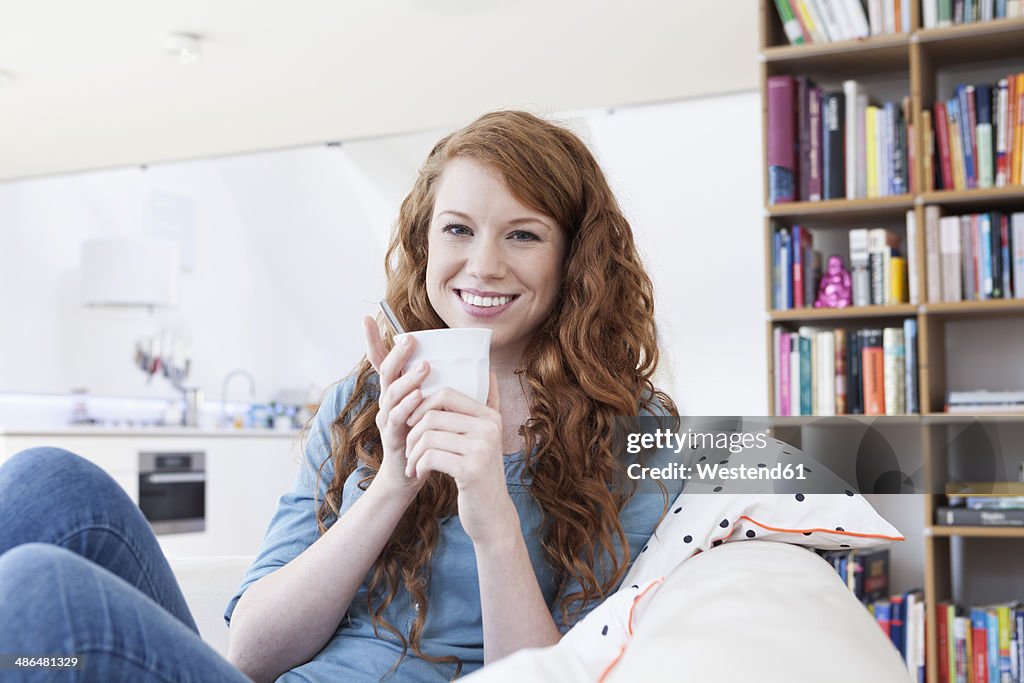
(781, 153)
(894, 376)
(853, 373)
(956, 516)
(833, 143)
(853, 146)
(814, 99)
(949, 253)
(790, 25)
(873, 372)
(912, 272)
(910, 357)
(983, 136)
(860, 280)
(933, 274)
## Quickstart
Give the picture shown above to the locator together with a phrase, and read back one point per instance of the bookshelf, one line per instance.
(915, 62)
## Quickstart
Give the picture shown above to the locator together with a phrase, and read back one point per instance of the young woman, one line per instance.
(425, 536)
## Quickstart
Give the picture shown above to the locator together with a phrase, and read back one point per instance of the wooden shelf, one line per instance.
(878, 54)
(853, 312)
(895, 206)
(991, 307)
(974, 42)
(942, 416)
(975, 531)
(1011, 196)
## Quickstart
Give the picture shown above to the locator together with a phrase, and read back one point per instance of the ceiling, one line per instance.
(92, 86)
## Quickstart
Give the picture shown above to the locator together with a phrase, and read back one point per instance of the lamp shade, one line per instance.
(130, 272)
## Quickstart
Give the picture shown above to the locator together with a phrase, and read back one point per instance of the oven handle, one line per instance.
(174, 477)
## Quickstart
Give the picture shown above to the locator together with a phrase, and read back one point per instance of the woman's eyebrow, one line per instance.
(514, 221)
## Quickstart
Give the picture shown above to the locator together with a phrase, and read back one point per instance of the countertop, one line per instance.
(102, 431)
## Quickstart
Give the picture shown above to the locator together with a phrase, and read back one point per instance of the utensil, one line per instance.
(396, 327)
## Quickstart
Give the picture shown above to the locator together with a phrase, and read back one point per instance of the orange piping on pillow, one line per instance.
(827, 531)
(629, 629)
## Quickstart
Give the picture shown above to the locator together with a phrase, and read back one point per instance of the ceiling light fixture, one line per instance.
(186, 47)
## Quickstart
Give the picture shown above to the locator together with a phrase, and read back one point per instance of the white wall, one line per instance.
(289, 249)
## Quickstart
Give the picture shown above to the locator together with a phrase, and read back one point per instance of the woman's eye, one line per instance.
(523, 236)
(456, 230)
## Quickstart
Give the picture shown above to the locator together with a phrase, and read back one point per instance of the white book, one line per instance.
(814, 9)
(832, 22)
(851, 90)
(915, 297)
(862, 159)
(826, 373)
(889, 16)
(1002, 114)
(894, 371)
(904, 17)
(932, 261)
(875, 17)
(988, 10)
(949, 253)
(1013, 8)
(931, 13)
(859, 260)
(1017, 238)
(858, 20)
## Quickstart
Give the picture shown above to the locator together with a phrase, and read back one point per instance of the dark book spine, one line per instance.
(951, 516)
(899, 155)
(853, 365)
(781, 140)
(833, 165)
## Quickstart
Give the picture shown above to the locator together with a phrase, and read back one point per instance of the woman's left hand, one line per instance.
(454, 434)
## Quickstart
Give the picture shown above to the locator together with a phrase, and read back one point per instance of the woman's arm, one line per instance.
(286, 617)
(515, 615)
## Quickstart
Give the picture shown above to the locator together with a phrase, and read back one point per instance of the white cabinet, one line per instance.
(246, 473)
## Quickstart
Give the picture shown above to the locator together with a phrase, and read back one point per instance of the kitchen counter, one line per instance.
(86, 430)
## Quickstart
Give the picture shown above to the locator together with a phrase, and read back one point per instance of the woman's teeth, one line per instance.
(484, 301)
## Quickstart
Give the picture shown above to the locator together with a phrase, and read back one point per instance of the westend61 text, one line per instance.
(716, 472)
(666, 439)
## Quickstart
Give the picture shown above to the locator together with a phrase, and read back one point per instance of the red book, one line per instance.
(873, 373)
(942, 138)
(943, 649)
(979, 648)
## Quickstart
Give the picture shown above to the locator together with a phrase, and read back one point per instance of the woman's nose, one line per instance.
(485, 260)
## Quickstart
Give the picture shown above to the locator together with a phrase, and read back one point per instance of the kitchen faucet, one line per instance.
(224, 392)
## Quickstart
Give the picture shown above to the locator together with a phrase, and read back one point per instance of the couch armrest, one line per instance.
(208, 583)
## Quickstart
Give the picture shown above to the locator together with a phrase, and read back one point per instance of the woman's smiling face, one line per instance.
(492, 262)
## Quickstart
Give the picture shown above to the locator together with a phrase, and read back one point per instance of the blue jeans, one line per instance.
(81, 573)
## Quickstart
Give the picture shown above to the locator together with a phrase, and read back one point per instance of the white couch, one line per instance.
(749, 611)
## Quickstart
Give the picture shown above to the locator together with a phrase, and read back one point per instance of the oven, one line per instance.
(172, 491)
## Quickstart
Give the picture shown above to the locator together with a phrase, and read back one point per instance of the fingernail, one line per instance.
(405, 341)
(422, 367)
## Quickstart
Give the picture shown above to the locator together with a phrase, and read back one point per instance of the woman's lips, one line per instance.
(482, 311)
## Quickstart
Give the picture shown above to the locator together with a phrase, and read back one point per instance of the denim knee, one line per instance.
(31, 566)
(46, 457)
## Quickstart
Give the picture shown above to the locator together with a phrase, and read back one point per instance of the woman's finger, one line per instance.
(395, 391)
(394, 362)
(493, 400)
(437, 460)
(447, 441)
(400, 413)
(452, 400)
(444, 421)
(375, 351)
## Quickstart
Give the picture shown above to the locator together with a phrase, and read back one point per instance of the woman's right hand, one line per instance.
(399, 396)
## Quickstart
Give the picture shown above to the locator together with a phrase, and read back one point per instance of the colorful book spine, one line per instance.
(789, 22)
(781, 153)
(873, 373)
(910, 377)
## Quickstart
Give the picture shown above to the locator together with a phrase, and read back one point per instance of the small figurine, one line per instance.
(834, 289)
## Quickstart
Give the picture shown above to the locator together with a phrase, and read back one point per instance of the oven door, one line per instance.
(173, 498)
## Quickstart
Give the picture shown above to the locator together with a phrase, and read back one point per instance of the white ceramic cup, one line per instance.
(459, 358)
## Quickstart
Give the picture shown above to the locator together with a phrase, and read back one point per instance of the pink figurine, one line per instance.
(834, 289)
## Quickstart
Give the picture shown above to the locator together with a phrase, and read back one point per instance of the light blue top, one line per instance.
(454, 624)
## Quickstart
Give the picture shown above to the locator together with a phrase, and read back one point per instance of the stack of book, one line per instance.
(835, 144)
(824, 21)
(980, 644)
(983, 401)
(976, 138)
(846, 372)
(940, 13)
(974, 256)
(998, 503)
(879, 272)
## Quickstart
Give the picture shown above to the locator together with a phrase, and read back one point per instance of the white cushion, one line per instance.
(755, 611)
